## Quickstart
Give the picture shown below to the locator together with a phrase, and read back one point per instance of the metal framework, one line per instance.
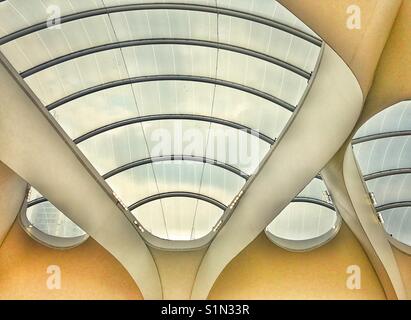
(164, 41)
(314, 201)
(383, 135)
(36, 201)
(146, 161)
(177, 194)
(394, 205)
(386, 173)
(158, 117)
(165, 6)
(151, 78)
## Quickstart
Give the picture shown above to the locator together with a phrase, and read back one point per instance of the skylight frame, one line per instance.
(300, 34)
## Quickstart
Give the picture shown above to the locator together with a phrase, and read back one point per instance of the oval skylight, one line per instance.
(306, 223)
(382, 147)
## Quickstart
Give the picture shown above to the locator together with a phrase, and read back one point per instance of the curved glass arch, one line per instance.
(48, 219)
(316, 189)
(170, 97)
(18, 14)
(108, 28)
(383, 152)
(384, 149)
(303, 221)
(117, 147)
(178, 218)
(112, 65)
(48, 225)
(397, 223)
(144, 181)
(307, 222)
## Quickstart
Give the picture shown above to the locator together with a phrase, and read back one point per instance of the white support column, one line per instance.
(12, 193)
(315, 134)
(33, 146)
(374, 231)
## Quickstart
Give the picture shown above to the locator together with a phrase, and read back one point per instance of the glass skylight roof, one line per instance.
(46, 218)
(382, 147)
(174, 104)
(307, 222)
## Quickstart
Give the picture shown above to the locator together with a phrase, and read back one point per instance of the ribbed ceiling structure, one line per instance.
(383, 147)
(174, 104)
(308, 221)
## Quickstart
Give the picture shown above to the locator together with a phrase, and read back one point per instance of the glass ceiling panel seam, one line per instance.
(139, 113)
(152, 78)
(393, 205)
(158, 159)
(386, 173)
(383, 135)
(211, 112)
(166, 41)
(159, 117)
(165, 6)
(177, 194)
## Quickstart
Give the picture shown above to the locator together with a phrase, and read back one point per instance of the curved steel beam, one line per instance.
(386, 173)
(169, 41)
(158, 117)
(383, 135)
(165, 6)
(165, 195)
(127, 81)
(145, 161)
(314, 201)
(393, 205)
(36, 201)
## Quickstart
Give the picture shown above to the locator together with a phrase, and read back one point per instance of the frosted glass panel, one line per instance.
(75, 75)
(96, 110)
(261, 75)
(170, 59)
(395, 118)
(236, 147)
(183, 218)
(176, 137)
(397, 222)
(315, 189)
(174, 97)
(384, 154)
(266, 8)
(251, 111)
(114, 148)
(151, 217)
(182, 24)
(47, 44)
(391, 189)
(134, 184)
(303, 221)
(48, 219)
(268, 40)
(18, 14)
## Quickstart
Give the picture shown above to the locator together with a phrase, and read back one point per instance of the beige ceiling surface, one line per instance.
(359, 48)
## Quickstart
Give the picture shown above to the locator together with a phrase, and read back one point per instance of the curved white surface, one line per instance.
(34, 148)
(372, 227)
(335, 90)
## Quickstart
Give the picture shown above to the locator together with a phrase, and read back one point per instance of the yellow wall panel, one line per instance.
(265, 271)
